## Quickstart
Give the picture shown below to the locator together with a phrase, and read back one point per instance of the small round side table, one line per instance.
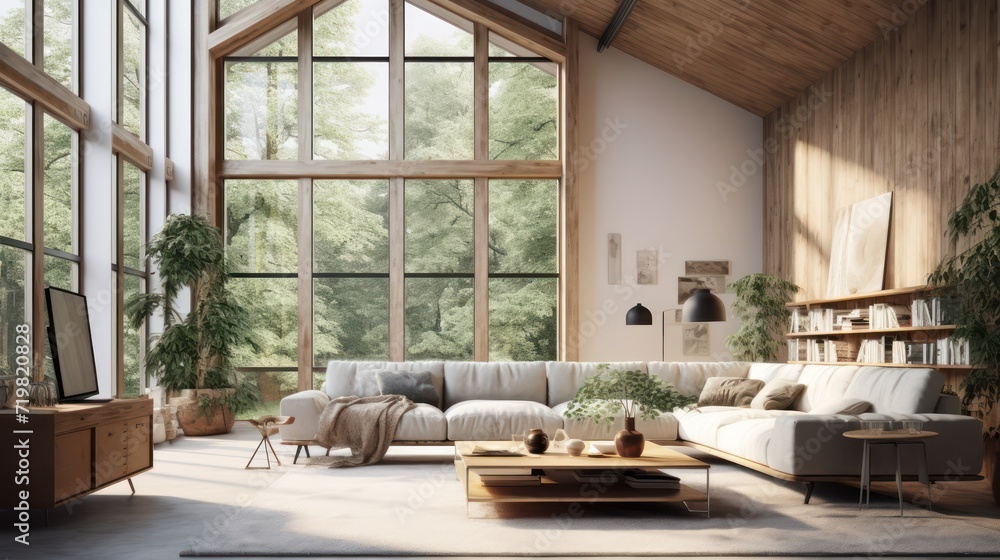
(895, 439)
(268, 426)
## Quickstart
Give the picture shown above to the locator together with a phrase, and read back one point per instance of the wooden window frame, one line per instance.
(43, 96)
(129, 148)
(215, 39)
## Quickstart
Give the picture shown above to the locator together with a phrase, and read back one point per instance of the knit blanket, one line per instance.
(365, 425)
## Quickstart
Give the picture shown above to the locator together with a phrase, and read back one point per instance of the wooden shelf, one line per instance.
(929, 366)
(868, 295)
(870, 331)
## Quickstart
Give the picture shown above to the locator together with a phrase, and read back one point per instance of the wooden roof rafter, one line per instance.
(257, 24)
(252, 22)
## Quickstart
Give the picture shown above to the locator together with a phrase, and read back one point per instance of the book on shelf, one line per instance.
(855, 319)
(888, 316)
(921, 353)
(798, 320)
(953, 351)
(929, 312)
(797, 350)
(876, 350)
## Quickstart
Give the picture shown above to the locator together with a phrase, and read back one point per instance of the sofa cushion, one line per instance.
(689, 377)
(748, 438)
(345, 378)
(478, 420)
(846, 405)
(777, 394)
(768, 372)
(663, 427)
(414, 385)
(729, 391)
(703, 424)
(499, 381)
(823, 384)
(897, 390)
(565, 378)
(424, 422)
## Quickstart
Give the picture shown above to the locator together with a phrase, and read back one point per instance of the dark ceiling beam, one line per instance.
(616, 24)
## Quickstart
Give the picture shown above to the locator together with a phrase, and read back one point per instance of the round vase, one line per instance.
(536, 442)
(629, 442)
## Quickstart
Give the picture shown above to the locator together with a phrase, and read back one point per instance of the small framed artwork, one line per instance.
(614, 258)
(686, 286)
(647, 267)
(695, 339)
(706, 268)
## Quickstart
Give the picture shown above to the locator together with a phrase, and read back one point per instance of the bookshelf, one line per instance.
(848, 344)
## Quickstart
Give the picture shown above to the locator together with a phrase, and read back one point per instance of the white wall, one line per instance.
(656, 149)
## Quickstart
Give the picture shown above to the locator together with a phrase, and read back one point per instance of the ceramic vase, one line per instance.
(629, 442)
(536, 442)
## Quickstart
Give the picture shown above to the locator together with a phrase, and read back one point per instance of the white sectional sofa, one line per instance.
(492, 400)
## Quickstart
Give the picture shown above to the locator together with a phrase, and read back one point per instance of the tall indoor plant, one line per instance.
(760, 306)
(601, 397)
(973, 274)
(194, 350)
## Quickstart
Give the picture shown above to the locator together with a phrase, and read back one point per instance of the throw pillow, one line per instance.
(778, 394)
(729, 391)
(414, 385)
(842, 406)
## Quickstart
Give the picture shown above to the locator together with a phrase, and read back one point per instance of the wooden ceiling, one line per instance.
(756, 54)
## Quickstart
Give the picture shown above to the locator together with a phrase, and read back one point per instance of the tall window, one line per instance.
(420, 247)
(132, 94)
(15, 227)
(131, 230)
(37, 191)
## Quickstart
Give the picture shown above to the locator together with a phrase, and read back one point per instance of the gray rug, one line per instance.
(412, 505)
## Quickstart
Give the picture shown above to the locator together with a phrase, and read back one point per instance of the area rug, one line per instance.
(412, 505)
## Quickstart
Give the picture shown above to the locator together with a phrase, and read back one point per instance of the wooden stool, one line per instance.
(268, 426)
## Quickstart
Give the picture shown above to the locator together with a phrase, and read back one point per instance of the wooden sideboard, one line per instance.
(73, 450)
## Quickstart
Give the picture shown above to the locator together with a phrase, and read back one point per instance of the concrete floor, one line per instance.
(197, 483)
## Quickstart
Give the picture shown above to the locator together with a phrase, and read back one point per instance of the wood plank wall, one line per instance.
(916, 113)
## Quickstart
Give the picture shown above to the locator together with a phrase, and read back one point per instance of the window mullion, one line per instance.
(481, 223)
(305, 204)
(397, 235)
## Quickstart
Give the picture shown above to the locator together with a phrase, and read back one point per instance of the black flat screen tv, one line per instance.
(71, 345)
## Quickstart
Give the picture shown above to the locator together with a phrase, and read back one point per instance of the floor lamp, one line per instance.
(702, 307)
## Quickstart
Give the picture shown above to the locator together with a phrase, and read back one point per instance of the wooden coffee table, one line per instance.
(559, 486)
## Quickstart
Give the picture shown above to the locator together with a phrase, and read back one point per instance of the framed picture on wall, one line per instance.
(647, 267)
(614, 258)
(686, 286)
(695, 339)
(706, 268)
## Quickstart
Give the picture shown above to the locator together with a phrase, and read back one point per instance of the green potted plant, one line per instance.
(973, 276)
(601, 397)
(760, 306)
(192, 355)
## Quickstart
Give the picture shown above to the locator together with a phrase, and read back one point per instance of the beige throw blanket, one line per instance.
(365, 425)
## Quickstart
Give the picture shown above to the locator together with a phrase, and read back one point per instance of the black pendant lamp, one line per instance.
(638, 315)
(703, 307)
